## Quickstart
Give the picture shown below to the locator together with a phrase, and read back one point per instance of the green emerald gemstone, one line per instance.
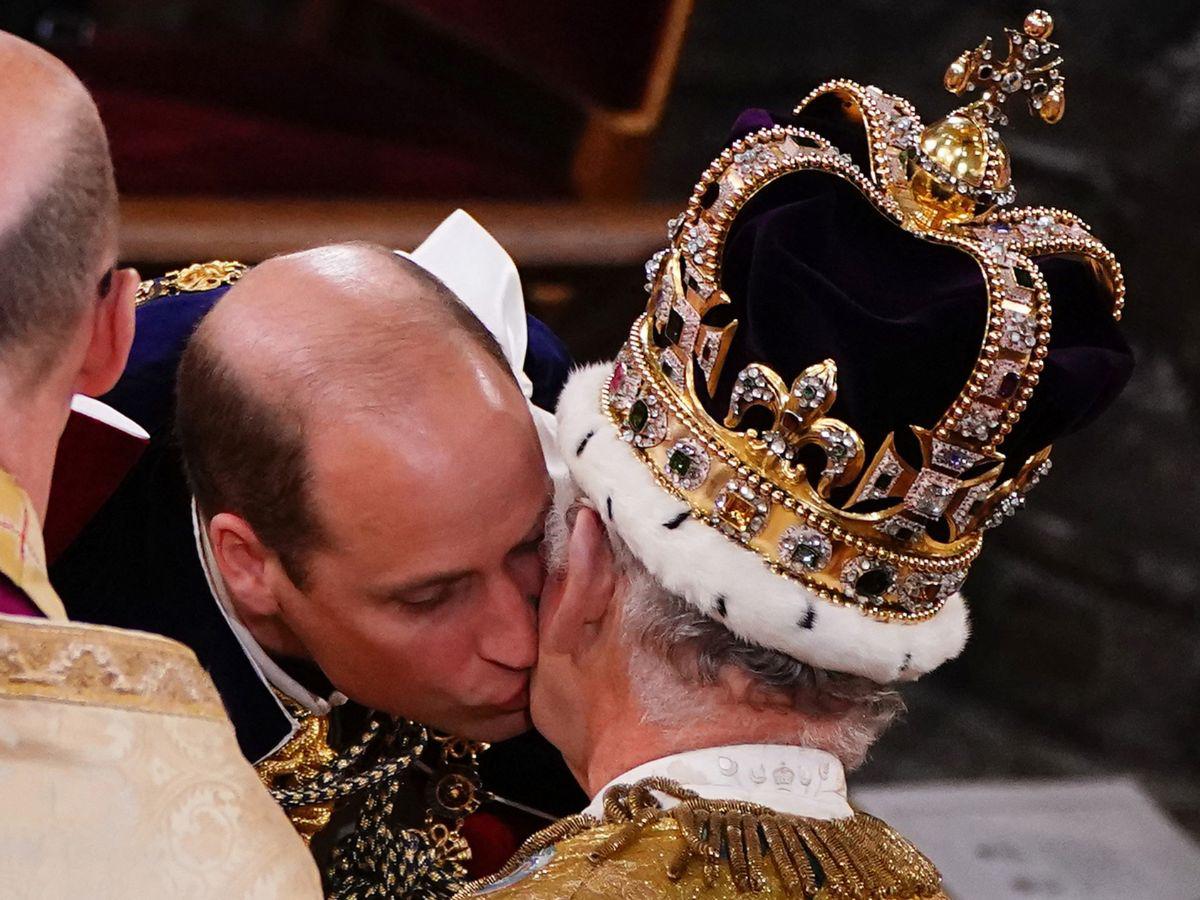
(680, 463)
(639, 414)
(808, 392)
(874, 582)
(1024, 277)
(806, 555)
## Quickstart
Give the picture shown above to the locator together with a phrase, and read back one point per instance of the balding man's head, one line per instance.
(371, 484)
(57, 202)
(302, 340)
(317, 324)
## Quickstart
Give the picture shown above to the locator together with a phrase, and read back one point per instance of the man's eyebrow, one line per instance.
(409, 587)
(535, 531)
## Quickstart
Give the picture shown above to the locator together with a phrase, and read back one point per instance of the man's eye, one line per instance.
(532, 546)
(425, 597)
(526, 567)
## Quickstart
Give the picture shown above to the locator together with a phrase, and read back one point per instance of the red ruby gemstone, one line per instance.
(618, 377)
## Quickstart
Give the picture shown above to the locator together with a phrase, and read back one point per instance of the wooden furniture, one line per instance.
(551, 233)
(274, 123)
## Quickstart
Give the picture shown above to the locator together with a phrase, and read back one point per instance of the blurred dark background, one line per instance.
(575, 130)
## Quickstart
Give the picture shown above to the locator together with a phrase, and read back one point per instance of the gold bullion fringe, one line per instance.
(855, 858)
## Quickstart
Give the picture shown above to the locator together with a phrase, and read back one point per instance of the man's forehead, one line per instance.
(421, 408)
(397, 410)
(432, 475)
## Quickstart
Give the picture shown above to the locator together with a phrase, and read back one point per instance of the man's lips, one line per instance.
(516, 701)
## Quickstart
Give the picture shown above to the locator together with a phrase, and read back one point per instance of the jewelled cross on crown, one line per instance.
(1028, 68)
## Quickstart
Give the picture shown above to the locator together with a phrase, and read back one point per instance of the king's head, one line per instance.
(852, 364)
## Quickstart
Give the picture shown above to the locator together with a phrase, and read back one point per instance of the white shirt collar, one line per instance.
(794, 780)
(268, 670)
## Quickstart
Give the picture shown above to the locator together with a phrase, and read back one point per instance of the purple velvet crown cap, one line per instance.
(814, 271)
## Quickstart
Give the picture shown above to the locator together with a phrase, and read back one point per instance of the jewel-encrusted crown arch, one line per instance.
(902, 536)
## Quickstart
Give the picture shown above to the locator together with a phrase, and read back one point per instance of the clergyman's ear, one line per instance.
(111, 337)
(587, 589)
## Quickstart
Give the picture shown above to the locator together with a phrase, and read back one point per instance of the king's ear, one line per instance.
(587, 589)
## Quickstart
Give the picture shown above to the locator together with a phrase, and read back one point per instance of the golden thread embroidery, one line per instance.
(103, 667)
(196, 277)
(22, 554)
(308, 779)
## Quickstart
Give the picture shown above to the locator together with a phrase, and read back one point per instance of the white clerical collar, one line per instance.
(269, 671)
(794, 780)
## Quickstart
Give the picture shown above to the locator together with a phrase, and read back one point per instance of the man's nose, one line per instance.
(508, 635)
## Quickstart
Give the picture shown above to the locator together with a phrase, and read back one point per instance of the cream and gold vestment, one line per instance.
(119, 771)
(647, 835)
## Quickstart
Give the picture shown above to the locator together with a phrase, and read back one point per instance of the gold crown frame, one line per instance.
(751, 484)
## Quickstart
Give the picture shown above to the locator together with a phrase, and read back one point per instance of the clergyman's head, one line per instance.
(372, 484)
(622, 660)
(66, 315)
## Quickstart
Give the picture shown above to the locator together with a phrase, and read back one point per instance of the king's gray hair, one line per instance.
(676, 648)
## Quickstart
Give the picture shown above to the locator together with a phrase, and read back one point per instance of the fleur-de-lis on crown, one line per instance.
(798, 420)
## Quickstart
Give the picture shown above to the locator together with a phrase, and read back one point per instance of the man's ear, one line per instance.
(587, 589)
(112, 335)
(245, 564)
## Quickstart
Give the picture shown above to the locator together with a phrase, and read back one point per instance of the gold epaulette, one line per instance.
(299, 762)
(711, 848)
(196, 277)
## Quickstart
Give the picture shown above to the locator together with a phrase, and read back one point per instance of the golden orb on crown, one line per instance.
(958, 169)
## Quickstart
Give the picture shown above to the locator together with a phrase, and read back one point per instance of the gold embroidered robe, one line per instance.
(119, 771)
